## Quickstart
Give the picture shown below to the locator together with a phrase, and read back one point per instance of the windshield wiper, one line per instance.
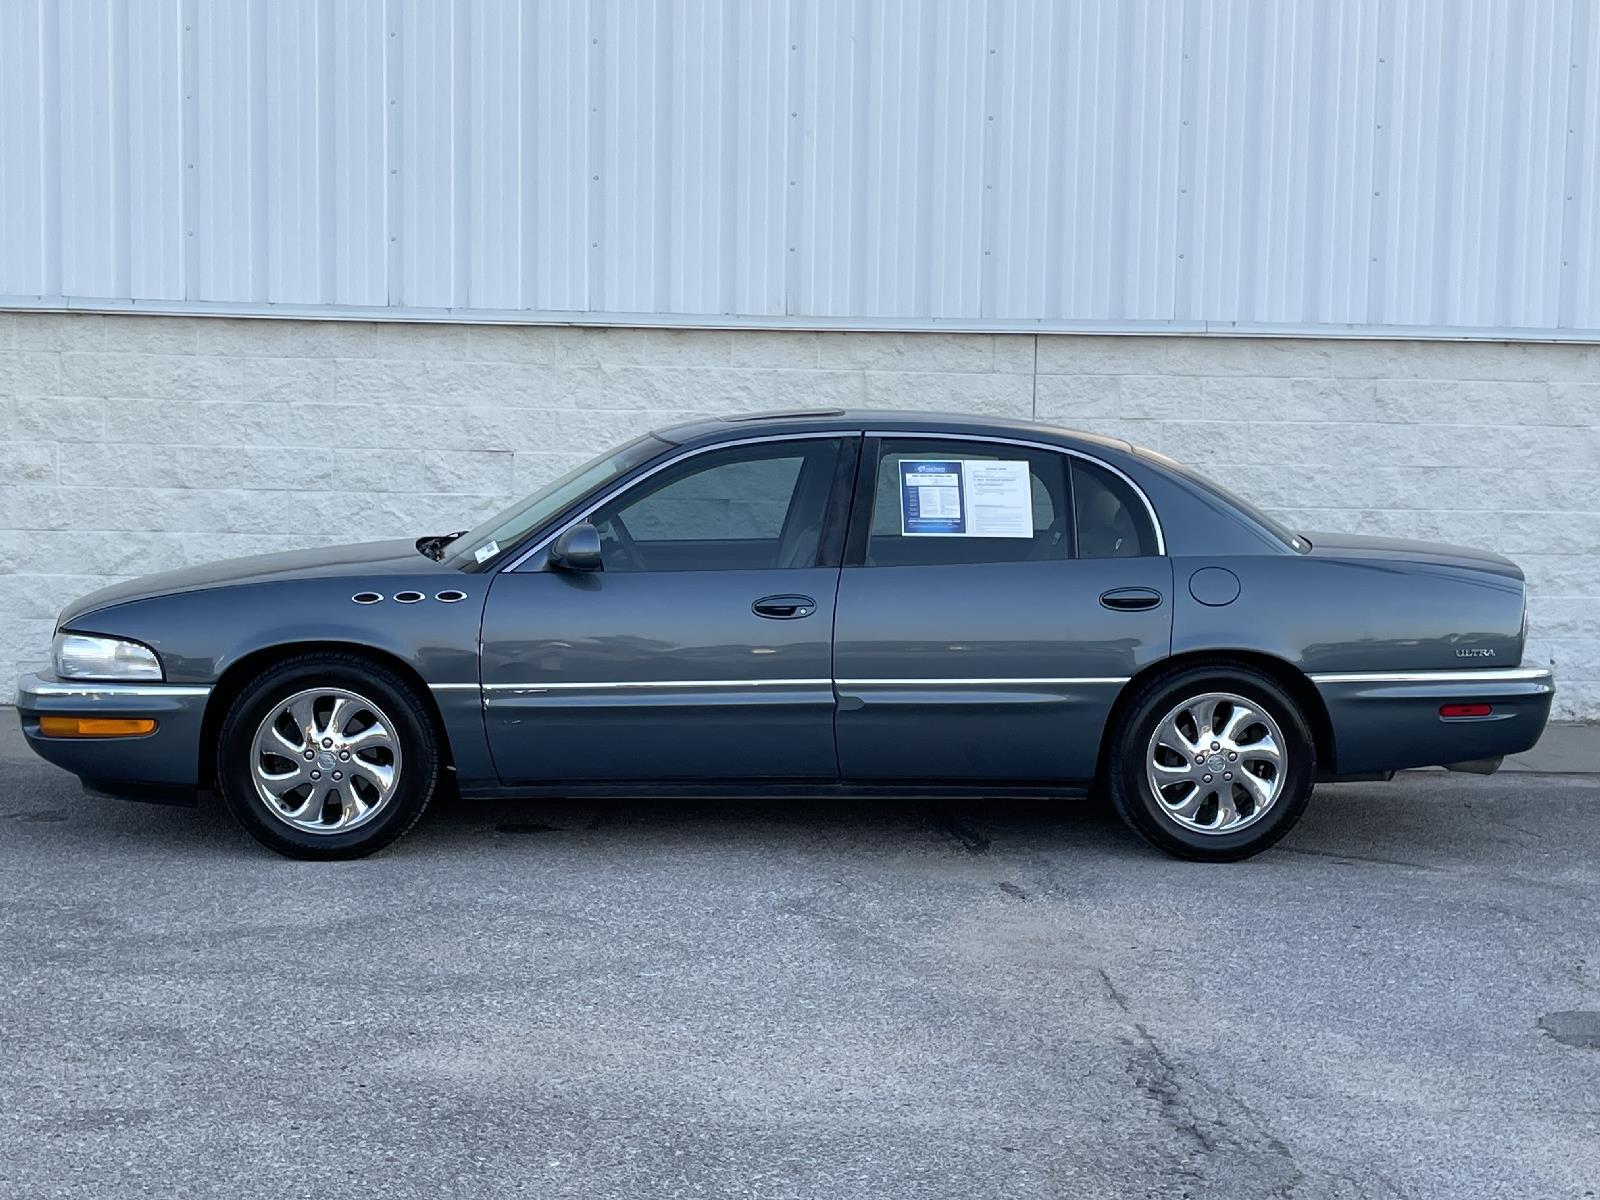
(434, 546)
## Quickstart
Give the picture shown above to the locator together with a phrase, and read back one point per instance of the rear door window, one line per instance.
(983, 502)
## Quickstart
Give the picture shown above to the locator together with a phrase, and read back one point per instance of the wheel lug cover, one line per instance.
(1228, 775)
(310, 754)
(340, 775)
(1197, 757)
(316, 774)
(346, 754)
(1232, 754)
(1207, 778)
(327, 743)
(1216, 745)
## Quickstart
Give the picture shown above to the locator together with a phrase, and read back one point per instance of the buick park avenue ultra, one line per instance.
(806, 603)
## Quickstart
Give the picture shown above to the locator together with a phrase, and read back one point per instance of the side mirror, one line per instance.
(577, 549)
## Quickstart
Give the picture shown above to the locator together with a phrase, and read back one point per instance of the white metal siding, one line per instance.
(1420, 166)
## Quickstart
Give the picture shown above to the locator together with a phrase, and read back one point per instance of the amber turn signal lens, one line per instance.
(79, 727)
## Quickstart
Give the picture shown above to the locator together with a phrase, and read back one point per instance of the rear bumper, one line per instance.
(163, 765)
(1388, 721)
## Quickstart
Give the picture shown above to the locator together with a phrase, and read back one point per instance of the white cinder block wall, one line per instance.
(137, 444)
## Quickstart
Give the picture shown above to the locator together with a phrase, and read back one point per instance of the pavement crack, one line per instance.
(971, 840)
(1359, 858)
(1182, 1103)
(1158, 1078)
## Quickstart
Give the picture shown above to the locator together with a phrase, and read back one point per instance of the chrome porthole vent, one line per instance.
(367, 597)
(450, 597)
(408, 597)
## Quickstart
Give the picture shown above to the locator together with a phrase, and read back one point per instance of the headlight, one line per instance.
(79, 656)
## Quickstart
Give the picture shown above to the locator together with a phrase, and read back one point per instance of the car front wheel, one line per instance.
(1212, 763)
(327, 756)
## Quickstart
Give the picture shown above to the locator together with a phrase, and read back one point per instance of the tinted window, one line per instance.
(745, 508)
(1112, 520)
(1049, 527)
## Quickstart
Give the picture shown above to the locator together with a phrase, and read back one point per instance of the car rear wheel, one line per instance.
(1211, 763)
(327, 756)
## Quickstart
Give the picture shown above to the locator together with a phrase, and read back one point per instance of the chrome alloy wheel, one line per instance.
(325, 760)
(1216, 763)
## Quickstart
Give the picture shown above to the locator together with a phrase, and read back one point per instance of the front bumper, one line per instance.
(1389, 721)
(163, 765)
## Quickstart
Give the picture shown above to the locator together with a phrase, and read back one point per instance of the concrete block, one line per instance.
(247, 337)
(60, 331)
(1015, 353)
(329, 339)
(725, 390)
(1071, 399)
(1079, 354)
(919, 352)
(30, 373)
(60, 418)
(416, 341)
(473, 472)
(149, 334)
(28, 462)
(1552, 533)
(136, 376)
(286, 379)
(988, 393)
(776, 348)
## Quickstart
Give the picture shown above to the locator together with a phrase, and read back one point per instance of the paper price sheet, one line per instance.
(965, 497)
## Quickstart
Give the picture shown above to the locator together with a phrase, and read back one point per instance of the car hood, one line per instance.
(399, 556)
(1347, 545)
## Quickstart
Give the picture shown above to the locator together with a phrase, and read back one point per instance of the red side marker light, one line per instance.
(1465, 710)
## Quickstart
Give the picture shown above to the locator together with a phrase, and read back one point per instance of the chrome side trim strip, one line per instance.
(453, 687)
(1491, 675)
(940, 435)
(90, 689)
(995, 682)
(663, 684)
(651, 684)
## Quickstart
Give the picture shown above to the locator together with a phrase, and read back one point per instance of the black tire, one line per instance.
(413, 728)
(1135, 800)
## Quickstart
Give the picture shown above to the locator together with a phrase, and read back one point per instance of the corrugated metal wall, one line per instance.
(1332, 165)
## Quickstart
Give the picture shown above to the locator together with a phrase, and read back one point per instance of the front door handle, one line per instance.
(784, 608)
(1130, 599)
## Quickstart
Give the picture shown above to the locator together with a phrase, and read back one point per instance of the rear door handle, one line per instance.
(784, 608)
(1130, 599)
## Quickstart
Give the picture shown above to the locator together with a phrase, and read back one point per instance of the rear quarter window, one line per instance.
(1112, 521)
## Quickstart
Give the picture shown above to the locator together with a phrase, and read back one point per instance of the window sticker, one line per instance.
(965, 498)
(930, 497)
(486, 551)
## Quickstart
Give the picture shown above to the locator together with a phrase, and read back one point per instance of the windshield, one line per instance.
(1270, 524)
(502, 531)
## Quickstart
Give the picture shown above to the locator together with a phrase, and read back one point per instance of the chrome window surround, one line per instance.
(823, 435)
(939, 436)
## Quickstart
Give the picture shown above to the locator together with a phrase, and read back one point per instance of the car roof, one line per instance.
(739, 426)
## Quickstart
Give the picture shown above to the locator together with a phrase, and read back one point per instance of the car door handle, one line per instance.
(784, 608)
(1130, 599)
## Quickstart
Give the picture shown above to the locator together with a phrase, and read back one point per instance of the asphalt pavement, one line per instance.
(861, 999)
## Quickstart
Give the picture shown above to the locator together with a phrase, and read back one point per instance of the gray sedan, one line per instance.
(801, 603)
